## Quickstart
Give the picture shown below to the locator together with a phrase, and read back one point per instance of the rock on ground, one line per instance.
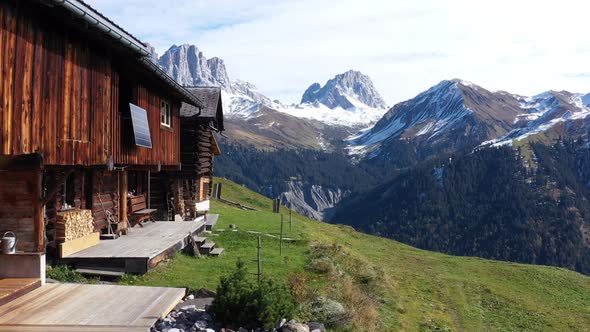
(294, 327)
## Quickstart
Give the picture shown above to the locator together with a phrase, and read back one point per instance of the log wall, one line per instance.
(104, 197)
(197, 158)
(18, 196)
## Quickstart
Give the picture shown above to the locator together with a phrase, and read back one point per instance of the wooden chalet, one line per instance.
(88, 125)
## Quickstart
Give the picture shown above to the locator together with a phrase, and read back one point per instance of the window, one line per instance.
(165, 114)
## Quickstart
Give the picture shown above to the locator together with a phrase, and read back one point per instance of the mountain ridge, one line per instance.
(455, 114)
(348, 100)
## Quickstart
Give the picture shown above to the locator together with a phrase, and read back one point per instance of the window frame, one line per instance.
(165, 114)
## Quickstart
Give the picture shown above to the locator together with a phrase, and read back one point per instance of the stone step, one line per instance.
(216, 252)
(206, 248)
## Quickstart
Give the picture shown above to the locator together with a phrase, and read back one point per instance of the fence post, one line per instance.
(259, 260)
(281, 239)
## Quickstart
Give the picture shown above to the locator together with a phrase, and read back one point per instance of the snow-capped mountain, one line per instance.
(455, 114)
(548, 111)
(188, 66)
(349, 99)
(347, 90)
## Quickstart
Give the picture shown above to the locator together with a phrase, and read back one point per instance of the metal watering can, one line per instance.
(8, 243)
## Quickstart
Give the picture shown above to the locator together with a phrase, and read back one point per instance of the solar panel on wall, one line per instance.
(141, 126)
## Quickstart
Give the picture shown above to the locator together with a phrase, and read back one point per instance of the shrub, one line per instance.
(274, 302)
(328, 311)
(241, 302)
(323, 265)
(64, 273)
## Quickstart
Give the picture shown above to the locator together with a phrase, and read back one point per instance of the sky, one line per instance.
(283, 46)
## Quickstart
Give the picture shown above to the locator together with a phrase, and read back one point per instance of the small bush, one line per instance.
(129, 279)
(273, 302)
(241, 302)
(330, 312)
(298, 286)
(64, 273)
(323, 265)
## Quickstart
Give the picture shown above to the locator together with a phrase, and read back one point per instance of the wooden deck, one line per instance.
(139, 251)
(211, 221)
(74, 307)
(12, 288)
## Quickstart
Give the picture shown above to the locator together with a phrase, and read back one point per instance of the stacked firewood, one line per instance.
(73, 224)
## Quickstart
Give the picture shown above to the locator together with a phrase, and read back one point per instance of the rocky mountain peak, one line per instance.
(346, 90)
(188, 66)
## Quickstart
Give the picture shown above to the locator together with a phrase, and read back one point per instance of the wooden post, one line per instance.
(214, 192)
(281, 239)
(149, 189)
(38, 218)
(259, 260)
(178, 198)
(123, 185)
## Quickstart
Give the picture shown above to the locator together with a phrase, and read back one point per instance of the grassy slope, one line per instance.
(418, 290)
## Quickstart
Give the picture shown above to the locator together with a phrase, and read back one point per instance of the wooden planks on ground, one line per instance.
(11, 288)
(63, 328)
(74, 307)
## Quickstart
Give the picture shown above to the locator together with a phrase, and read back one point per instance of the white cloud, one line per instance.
(405, 46)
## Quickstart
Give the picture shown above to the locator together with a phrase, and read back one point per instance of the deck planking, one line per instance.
(11, 288)
(148, 241)
(80, 307)
(140, 250)
(211, 221)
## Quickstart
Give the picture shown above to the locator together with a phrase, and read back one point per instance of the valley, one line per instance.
(343, 156)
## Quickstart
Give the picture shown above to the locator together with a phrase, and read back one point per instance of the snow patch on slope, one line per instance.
(543, 113)
(434, 111)
(359, 115)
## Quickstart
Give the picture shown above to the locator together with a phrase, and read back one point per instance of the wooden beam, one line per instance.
(38, 218)
(123, 185)
(70, 247)
(21, 162)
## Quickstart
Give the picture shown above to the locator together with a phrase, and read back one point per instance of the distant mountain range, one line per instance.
(349, 100)
(451, 115)
(455, 114)
(458, 168)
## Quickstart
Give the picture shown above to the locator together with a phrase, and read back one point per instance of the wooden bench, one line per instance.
(138, 211)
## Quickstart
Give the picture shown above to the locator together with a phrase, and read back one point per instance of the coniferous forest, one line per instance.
(497, 203)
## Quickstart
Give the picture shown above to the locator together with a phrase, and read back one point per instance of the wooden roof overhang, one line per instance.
(210, 112)
(215, 146)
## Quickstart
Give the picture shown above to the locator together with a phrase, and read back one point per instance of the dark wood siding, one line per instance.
(165, 141)
(60, 96)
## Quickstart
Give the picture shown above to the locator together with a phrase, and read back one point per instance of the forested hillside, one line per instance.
(492, 203)
(268, 172)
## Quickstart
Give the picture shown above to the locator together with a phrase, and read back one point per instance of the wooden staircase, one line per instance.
(207, 247)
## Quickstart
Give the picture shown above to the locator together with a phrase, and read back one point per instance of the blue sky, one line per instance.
(283, 46)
